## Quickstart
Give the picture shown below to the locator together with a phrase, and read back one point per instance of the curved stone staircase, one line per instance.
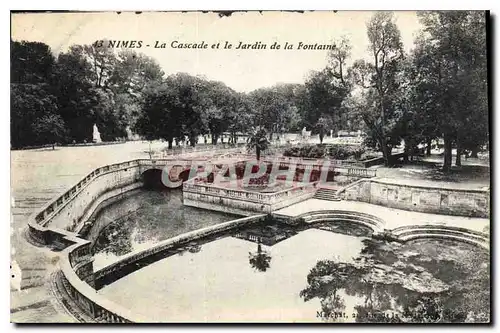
(370, 221)
(400, 234)
(407, 233)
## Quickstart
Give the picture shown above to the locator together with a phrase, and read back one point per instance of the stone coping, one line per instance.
(429, 184)
(394, 218)
(131, 257)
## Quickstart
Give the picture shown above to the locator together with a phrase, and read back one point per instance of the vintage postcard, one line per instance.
(250, 167)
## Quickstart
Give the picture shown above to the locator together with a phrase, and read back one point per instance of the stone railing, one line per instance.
(411, 232)
(301, 160)
(130, 261)
(199, 149)
(362, 172)
(348, 168)
(400, 234)
(93, 304)
(262, 197)
(243, 202)
(52, 208)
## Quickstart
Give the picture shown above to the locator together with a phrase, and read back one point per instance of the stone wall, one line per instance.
(426, 199)
(69, 216)
(131, 259)
(243, 202)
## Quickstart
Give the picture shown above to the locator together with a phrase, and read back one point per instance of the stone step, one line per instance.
(326, 198)
(446, 236)
(437, 231)
(326, 195)
(323, 194)
(327, 190)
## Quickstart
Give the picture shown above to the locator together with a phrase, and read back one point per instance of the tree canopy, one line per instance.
(438, 90)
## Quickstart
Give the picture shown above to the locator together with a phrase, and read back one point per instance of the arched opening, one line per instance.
(152, 179)
(184, 175)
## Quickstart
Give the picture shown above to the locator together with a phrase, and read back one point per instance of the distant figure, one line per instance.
(96, 136)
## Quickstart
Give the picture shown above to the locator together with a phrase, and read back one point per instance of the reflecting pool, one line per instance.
(326, 272)
(142, 220)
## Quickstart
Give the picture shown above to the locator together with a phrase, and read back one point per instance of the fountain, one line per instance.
(96, 136)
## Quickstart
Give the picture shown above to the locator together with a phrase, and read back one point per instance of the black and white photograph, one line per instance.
(322, 167)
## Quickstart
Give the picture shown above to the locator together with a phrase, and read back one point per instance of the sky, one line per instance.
(242, 70)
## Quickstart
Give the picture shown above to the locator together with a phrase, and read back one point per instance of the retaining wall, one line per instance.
(420, 198)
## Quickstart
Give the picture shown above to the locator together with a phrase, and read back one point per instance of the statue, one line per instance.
(130, 135)
(96, 136)
(305, 134)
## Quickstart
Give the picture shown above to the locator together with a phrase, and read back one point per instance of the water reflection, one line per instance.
(329, 271)
(396, 284)
(260, 260)
(150, 217)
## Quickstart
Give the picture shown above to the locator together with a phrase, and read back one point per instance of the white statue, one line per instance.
(130, 135)
(96, 136)
(305, 134)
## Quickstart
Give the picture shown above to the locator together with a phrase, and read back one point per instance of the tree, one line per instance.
(50, 128)
(381, 81)
(102, 61)
(133, 71)
(257, 139)
(31, 62)
(453, 56)
(34, 107)
(34, 118)
(324, 96)
(75, 93)
(240, 117)
(161, 114)
(221, 104)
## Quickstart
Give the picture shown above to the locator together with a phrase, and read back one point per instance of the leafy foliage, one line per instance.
(339, 152)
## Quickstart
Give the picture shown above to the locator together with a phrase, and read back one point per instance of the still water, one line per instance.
(325, 272)
(144, 219)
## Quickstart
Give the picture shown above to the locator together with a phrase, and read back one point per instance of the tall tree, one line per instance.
(76, 95)
(102, 61)
(31, 62)
(34, 107)
(455, 43)
(381, 80)
(161, 114)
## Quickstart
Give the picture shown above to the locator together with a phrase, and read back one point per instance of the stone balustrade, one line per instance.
(132, 259)
(243, 202)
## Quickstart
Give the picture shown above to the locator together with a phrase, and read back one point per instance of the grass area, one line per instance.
(473, 173)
